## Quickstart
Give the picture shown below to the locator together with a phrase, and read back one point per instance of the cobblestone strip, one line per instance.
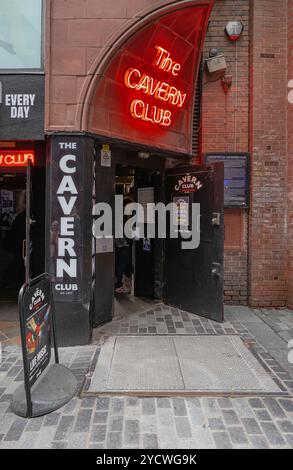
(127, 422)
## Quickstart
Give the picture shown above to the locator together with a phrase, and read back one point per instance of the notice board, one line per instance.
(236, 177)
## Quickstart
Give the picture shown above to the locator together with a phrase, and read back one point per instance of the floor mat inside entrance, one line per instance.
(179, 363)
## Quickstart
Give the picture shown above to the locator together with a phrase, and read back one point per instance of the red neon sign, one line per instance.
(163, 61)
(158, 89)
(145, 92)
(16, 158)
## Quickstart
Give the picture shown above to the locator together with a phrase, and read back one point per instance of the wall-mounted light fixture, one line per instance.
(216, 61)
(143, 155)
(214, 51)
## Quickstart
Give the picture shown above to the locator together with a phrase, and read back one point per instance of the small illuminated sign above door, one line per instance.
(16, 158)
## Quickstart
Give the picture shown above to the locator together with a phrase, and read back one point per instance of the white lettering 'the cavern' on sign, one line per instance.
(66, 263)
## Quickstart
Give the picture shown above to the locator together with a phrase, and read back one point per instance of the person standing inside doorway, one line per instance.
(123, 261)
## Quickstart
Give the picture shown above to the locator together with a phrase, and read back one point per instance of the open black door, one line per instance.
(148, 189)
(194, 277)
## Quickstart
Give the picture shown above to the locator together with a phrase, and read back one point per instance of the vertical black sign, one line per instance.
(36, 328)
(67, 155)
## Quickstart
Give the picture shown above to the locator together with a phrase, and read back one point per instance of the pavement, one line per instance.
(9, 325)
(195, 422)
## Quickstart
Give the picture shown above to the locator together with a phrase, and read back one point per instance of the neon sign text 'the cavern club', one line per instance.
(16, 158)
(162, 91)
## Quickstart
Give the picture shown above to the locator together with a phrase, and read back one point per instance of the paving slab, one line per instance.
(241, 313)
(179, 363)
(119, 421)
(266, 336)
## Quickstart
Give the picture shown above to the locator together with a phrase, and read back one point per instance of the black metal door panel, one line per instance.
(104, 262)
(148, 250)
(194, 277)
(144, 269)
(144, 249)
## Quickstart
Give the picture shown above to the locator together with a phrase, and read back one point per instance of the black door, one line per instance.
(104, 260)
(194, 277)
(147, 251)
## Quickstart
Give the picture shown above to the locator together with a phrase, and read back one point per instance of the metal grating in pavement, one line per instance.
(179, 363)
(135, 364)
(221, 363)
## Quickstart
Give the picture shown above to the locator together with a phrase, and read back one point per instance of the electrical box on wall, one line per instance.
(236, 177)
(217, 63)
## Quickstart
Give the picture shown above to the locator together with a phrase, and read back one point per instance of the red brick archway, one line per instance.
(142, 89)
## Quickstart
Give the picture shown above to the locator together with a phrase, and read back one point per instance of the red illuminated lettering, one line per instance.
(181, 99)
(163, 91)
(173, 94)
(159, 55)
(143, 84)
(163, 61)
(128, 76)
(134, 107)
(166, 118)
(158, 115)
(148, 85)
(16, 158)
(153, 86)
(148, 113)
(157, 89)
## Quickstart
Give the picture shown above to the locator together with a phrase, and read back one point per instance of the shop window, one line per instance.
(21, 35)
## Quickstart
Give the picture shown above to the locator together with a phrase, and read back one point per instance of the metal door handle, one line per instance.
(216, 269)
(216, 219)
(23, 249)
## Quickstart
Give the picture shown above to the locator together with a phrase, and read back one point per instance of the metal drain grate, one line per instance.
(221, 364)
(179, 363)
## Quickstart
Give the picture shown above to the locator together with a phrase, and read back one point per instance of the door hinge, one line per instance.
(216, 219)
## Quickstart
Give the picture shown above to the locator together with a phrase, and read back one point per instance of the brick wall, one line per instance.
(226, 129)
(235, 282)
(253, 116)
(268, 146)
(225, 116)
(290, 152)
(79, 33)
(250, 117)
